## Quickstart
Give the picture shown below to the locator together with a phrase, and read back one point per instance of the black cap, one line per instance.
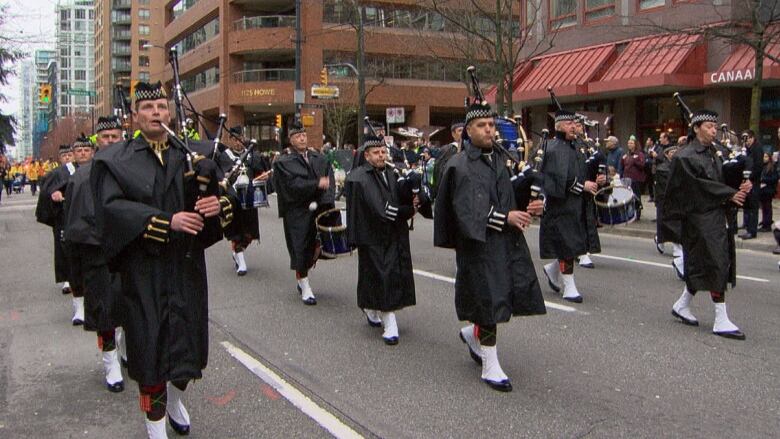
(82, 142)
(704, 116)
(564, 115)
(64, 149)
(479, 110)
(237, 130)
(145, 91)
(108, 123)
(372, 142)
(295, 128)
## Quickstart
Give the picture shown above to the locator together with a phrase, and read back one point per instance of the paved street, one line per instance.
(617, 365)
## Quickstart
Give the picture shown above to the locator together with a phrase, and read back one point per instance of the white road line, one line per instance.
(451, 280)
(658, 264)
(321, 416)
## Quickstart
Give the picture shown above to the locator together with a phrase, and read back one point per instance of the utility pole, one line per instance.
(299, 94)
(361, 68)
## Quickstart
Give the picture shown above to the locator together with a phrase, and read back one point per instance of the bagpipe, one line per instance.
(411, 182)
(122, 109)
(732, 155)
(526, 180)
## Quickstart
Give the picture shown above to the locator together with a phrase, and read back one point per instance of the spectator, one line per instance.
(8, 177)
(614, 154)
(650, 148)
(753, 163)
(768, 188)
(33, 173)
(633, 164)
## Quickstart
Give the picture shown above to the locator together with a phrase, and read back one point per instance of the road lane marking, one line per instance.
(321, 416)
(451, 280)
(658, 264)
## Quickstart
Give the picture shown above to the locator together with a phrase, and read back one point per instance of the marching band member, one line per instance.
(667, 230)
(245, 227)
(476, 214)
(304, 185)
(90, 268)
(49, 211)
(697, 196)
(377, 225)
(446, 152)
(157, 245)
(563, 234)
(594, 162)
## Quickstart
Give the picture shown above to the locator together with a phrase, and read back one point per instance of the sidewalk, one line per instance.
(645, 228)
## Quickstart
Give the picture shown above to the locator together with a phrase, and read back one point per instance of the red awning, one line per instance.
(567, 73)
(739, 67)
(656, 61)
(517, 76)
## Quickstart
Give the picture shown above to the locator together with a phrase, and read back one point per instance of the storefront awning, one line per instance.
(520, 72)
(567, 73)
(657, 61)
(739, 67)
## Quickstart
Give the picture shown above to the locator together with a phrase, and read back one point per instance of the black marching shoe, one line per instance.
(688, 322)
(66, 291)
(474, 355)
(77, 322)
(746, 236)
(501, 386)
(310, 300)
(181, 430)
(372, 323)
(734, 335)
(116, 387)
(390, 341)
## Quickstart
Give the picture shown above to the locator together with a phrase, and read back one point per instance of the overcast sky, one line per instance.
(31, 22)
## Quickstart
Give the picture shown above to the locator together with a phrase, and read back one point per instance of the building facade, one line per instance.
(44, 60)
(75, 36)
(621, 59)
(28, 97)
(128, 37)
(238, 58)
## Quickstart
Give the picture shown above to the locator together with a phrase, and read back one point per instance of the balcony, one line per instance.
(264, 75)
(122, 4)
(117, 18)
(264, 21)
(121, 35)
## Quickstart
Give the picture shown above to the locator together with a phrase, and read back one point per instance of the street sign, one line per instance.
(319, 91)
(80, 92)
(307, 120)
(395, 115)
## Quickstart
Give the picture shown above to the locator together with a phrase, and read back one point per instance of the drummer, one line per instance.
(596, 167)
(305, 187)
(563, 233)
(376, 224)
(244, 228)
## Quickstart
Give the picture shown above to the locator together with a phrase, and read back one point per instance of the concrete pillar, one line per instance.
(420, 117)
(311, 64)
(624, 120)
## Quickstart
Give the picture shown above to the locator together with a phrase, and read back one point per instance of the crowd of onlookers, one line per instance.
(16, 175)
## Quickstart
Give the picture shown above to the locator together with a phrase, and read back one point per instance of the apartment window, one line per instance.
(91, 14)
(143, 76)
(563, 13)
(143, 14)
(143, 2)
(596, 9)
(65, 25)
(648, 4)
(80, 75)
(143, 61)
(64, 63)
(143, 29)
(65, 15)
(81, 14)
(64, 51)
(198, 37)
(64, 75)
(141, 44)
(532, 11)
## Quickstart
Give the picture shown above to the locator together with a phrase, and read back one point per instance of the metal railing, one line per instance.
(263, 75)
(264, 21)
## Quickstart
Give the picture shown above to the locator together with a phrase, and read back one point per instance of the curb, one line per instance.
(758, 244)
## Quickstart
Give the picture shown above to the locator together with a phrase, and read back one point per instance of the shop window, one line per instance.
(598, 9)
(563, 13)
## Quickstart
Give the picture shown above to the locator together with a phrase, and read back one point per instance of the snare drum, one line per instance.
(615, 205)
(260, 197)
(332, 233)
(251, 196)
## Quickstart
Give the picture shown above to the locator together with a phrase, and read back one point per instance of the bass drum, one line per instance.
(615, 205)
(507, 129)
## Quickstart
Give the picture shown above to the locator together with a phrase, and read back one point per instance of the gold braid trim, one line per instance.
(157, 230)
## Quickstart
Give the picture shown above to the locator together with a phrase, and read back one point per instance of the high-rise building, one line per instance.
(128, 41)
(27, 98)
(75, 35)
(238, 58)
(41, 118)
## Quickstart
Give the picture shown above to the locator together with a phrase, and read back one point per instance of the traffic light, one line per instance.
(279, 121)
(324, 76)
(133, 83)
(44, 94)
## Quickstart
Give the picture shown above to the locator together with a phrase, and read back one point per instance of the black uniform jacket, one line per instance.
(245, 223)
(594, 158)
(496, 277)
(563, 232)
(296, 183)
(381, 234)
(163, 272)
(697, 197)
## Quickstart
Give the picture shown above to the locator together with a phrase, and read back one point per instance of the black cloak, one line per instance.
(496, 277)
(667, 229)
(563, 231)
(52, 214)
(385, 277)
(697, 196)
(296, 183)
(163, 273)
(245, 223)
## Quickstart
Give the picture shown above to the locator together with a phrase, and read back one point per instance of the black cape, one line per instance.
(296, 184)
(496, 277)
(697, 196)
(53, 215)
(385, 277)
(164, 285)
(245, 223)
(667, 229)
(563, 231)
